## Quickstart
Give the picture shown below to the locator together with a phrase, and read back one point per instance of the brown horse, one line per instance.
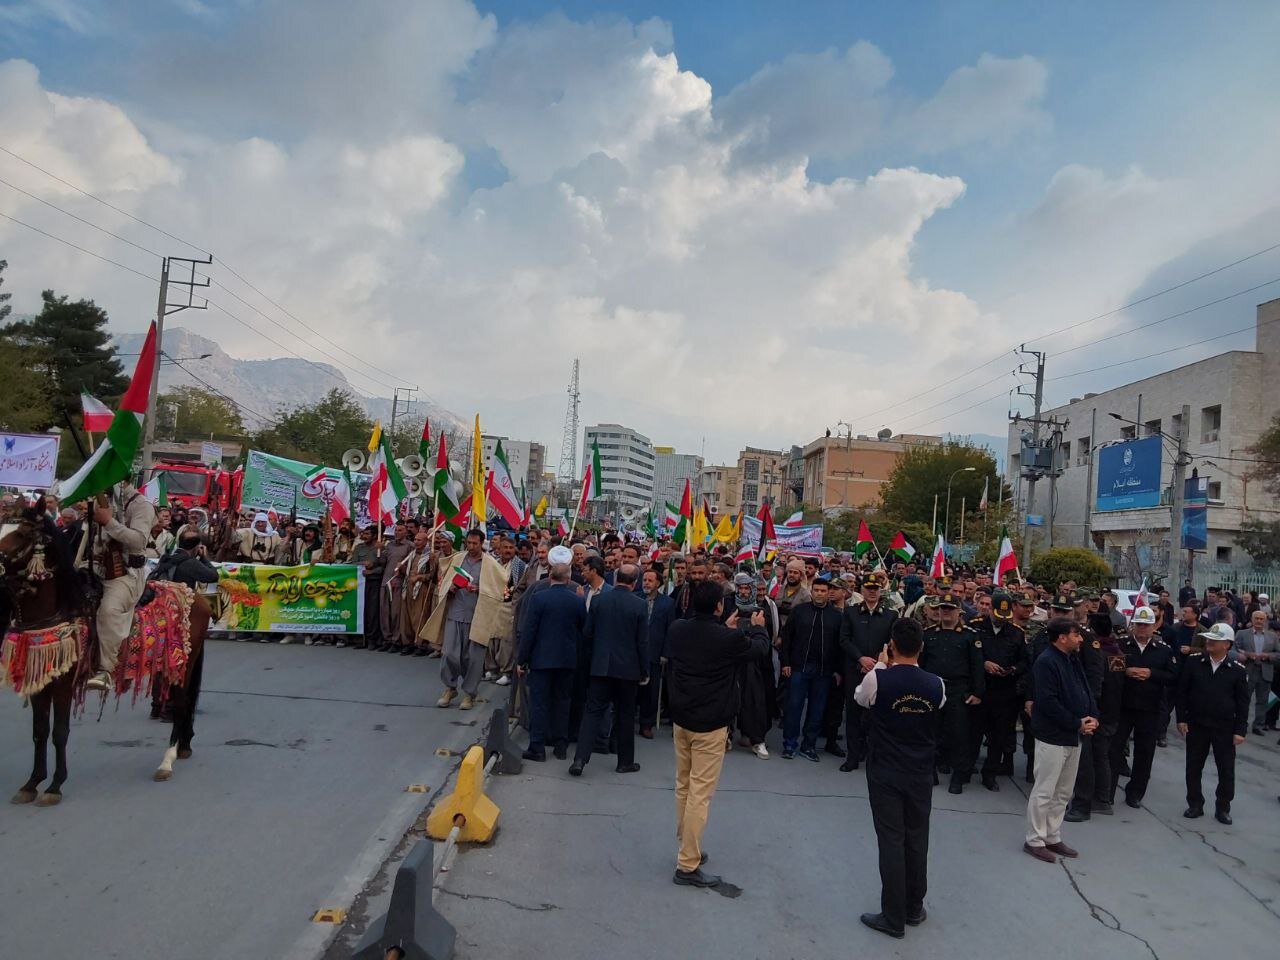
(49, 613)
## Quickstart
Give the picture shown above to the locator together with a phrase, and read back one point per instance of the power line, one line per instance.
(226, 266)
(264, 421)
(114, 263)
(75, 216)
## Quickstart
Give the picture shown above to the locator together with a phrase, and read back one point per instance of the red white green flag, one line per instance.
(388, 489)
(462, 579)
(864, 544)
(1007, 562)
(938, 567)
(767, 532)
(901, 547)
(97, 415)
(501, 493)
(684, 526)
(113, 460)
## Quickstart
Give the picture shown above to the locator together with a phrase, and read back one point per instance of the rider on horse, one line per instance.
(120, 537)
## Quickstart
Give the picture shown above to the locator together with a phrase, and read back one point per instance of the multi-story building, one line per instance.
(1232, 398)
(526, 459)
(670, 471)
(762, 475)
(793, 487)
(626, 465)
(846, 473)
(720, 487)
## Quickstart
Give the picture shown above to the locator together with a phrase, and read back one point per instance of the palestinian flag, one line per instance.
(501, 492)
(113, 460)
(901, 547)
(1007, 562)
(767, 533)
(156, 490)
(938, 566)
(864, 544)
(795, 520)
(424, 444)
(597, 473)
(685, 523)
(454, 525)
(446, 491)
(387, 490)
(462, 579)
(97, 415)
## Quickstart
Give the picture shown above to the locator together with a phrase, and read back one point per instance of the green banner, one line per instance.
(275, 483)
(315, 598)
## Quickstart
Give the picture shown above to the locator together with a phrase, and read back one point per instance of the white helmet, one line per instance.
(1144, 615)
(1219, 631)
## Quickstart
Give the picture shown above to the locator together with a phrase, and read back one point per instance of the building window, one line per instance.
(751, 470)
(1082, 451)
(1214, 488)
(1224, 555)
(1210, 423)
(1152, 428)
(1064, 453)
(749, 491)
(1129, 432)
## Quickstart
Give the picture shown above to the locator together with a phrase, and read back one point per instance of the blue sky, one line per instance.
(823, 191)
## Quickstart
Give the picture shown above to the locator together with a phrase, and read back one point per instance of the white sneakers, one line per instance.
(490, 675)
(761, 751)
(503, 681)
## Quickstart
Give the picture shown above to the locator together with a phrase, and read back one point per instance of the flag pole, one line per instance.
(962, 519)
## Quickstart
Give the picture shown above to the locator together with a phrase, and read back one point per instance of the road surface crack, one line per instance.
(1102, 914)
(574, 813)
(531, 908)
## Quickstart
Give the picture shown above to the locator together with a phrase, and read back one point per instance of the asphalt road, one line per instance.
(581, 865)
(295, 796)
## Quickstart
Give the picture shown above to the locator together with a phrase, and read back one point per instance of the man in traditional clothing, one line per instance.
(258, 542)
(416, 594)
(120, 538)
(500, 661)
(757, 696)
(396, 551)
(469, 607)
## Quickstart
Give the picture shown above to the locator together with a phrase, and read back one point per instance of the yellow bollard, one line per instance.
(478, 814)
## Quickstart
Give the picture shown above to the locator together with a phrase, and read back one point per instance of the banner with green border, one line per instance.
(314, 598)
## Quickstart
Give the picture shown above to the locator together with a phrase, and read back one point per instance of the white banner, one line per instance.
(802, 541)
(28, 460)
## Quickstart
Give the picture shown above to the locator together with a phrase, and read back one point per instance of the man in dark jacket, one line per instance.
(661, 611)
(703, 656)
(1149, 667)
(1063, 709)
(552, 621)
(953, 652)
(1213, 711)
(864, 633)
(187, 563)
(617, 631)
(810, 661)
(1093, 778)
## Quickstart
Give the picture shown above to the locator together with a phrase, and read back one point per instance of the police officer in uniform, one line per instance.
(1149, 666)
(121, 536)
(1004, 662)
(953, 651)
(1213, 714)
(864, 634)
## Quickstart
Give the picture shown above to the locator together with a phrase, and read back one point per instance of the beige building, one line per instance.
(847, 472)
(720, 486)
(761, 474)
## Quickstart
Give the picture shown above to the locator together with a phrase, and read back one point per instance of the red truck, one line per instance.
(190, 485)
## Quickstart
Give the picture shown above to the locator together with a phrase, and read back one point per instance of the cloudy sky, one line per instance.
(749, 220)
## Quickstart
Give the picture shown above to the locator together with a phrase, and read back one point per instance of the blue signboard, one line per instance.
(1195, 514)
(1129, 475)
(1035, 519)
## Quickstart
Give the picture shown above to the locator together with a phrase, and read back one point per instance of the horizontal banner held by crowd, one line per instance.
(316, 598)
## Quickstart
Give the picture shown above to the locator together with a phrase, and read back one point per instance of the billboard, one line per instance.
(1129, 475)
(1195, 514)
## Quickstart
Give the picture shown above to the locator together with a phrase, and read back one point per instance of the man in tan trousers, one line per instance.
(120, 540)
(703, 657)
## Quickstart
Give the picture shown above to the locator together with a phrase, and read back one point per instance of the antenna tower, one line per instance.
(568, 473)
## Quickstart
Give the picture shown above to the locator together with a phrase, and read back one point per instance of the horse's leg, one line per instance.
(191, 696)
(63, 689)
(40, 736)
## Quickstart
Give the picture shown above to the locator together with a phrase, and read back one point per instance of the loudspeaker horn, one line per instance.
(354, 459)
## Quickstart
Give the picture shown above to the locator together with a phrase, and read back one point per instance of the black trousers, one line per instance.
(1200, 740)
(1145, 727)
(549, 692)
(834, 713)
(1093, 776)
(602, 692)
(996, 719)
(900, 809)
(953, 734)
(647, 698)
(373, 612)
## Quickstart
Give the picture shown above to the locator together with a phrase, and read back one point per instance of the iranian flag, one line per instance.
(97, 415)
(745, 552)
(901, 547)
(671, 519)
(864, 544)
(591, 481)
(938, 567)
(462, 579)
(1007, 562)
(501, 492)
(387, 489)
(562, 528)
(767, 532)
(446, 491)
(795, 520)
(113, 460)
(156, 490)
(982, 504)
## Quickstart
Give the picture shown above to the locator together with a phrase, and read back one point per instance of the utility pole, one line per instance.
(164, 307)
(395, 405)
(1176, 500)
(1037, 396)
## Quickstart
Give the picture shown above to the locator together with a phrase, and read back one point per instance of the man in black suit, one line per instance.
(661, 614)
(617, 632)
(552, 621)
(1213, 713)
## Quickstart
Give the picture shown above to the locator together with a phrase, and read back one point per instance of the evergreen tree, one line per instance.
(4, 297)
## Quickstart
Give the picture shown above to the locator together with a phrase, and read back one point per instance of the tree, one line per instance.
(201, 414)
(1261, 539)
(841, 533)
(70, 348)
(319, 432)
(1078, 564)
(24, 401)
(4, 297)
(1267, 452)
(921, 475)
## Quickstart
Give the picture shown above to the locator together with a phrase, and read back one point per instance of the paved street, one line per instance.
(578, 864)
(295, 794)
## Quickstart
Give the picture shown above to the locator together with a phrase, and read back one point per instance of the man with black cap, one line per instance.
(864, 634)
(1004, 652)
(953, 651)
(1092, 793)
(1149, 666)
(1213, 714)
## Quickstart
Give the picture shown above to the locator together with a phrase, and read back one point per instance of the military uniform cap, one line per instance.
(1001, 605)
(946, 600)
(873, 579)
(1062, 602)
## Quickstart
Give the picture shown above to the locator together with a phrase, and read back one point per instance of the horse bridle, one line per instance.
(16, 574)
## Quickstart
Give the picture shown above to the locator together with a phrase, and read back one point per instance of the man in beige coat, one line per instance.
(120, 540)
(470, 610)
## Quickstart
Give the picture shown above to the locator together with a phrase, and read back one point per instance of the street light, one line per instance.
(946, 523)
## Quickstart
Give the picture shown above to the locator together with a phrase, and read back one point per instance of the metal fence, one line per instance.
(1258, 579)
